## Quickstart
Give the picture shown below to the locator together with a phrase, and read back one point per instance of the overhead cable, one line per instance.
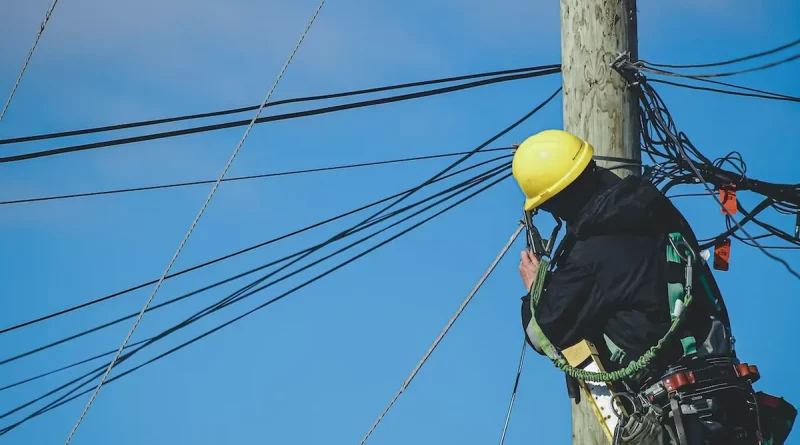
(236, 253)
(66, 399)
(404, 196)
(760, 94)
(455, 190)
(229, 111)
(443, 333)
(241, 178)
(28, 58)
(192, 226)
(248, 290)
(646, 66)
(278, 117)
(731, 61)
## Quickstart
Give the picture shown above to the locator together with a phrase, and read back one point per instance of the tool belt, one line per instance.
(714, 395)
(713, 375)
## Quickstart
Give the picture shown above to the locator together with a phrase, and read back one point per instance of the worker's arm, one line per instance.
(570, 304)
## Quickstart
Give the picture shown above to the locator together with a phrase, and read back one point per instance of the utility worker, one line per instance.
(616, 281)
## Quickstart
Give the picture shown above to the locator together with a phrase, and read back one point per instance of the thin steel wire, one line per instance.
(194, 223)
(28, 59)
(443, 333)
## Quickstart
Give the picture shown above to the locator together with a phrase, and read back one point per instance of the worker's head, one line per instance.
(550, 168)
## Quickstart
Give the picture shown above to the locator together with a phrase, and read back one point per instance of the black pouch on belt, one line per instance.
(777, 418)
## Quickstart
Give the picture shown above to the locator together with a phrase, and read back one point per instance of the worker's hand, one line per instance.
(528, 267)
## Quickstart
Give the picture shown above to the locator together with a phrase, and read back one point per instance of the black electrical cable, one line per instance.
(298, 114)
(234, 254)
(403, 196)
(63, 401)
(434, 178)
(239, 293)
(271, 104)
(682, 145)
(245, 178)
(64, 368)
(648, 67)
(464, 185)
(771, 96)
(731, 61)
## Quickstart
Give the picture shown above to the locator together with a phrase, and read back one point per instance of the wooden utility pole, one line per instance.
(598, 109)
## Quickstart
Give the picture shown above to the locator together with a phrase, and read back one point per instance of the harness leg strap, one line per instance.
(677, 416)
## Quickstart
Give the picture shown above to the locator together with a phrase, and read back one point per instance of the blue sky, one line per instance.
(318, 367)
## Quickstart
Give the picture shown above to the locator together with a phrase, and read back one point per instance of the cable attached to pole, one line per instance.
(443, 333)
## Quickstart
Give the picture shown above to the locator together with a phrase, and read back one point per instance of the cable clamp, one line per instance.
(627, 69)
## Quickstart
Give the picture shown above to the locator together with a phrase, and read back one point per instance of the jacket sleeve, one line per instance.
(571, 304)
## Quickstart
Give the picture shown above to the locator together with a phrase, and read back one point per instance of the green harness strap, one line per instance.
(685, 298)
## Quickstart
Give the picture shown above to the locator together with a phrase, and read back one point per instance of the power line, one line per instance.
(237, 253)
(345, 233)
(241, 178)
(443, 333)
(28, 59)
(646, 66)
(229, 111)
(459, 188)
(762, 95)
(64, 368)
(247, 290)
(194, 223)
(732, 61)
(278, 117)
(434, 178)
(63, 399)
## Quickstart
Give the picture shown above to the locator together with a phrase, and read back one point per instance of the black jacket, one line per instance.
(612, 280)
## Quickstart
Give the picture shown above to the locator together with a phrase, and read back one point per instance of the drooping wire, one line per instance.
(761, 94)
(406, 195)
(237, 253)
(400, 199)
(226, 112)
(248, 290)
(192, 226)
(273, 118)
(296, 257)
(69, 397)
(647, 67)
(241, 178)
(28, 58)
(731, 61)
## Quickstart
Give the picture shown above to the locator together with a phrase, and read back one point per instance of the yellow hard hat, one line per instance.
(547, 162)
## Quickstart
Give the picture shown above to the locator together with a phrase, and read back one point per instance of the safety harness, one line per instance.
(678, 391)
